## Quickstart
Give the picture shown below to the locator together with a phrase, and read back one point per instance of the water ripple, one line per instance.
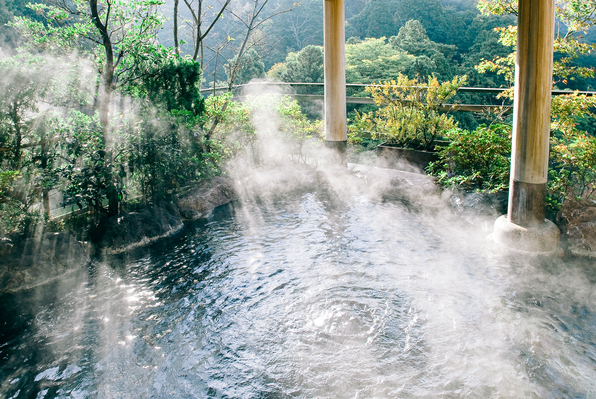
(304, 298)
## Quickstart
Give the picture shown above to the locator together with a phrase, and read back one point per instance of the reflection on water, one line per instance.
(299, 298)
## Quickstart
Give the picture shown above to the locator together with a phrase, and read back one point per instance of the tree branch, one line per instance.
(215, 20)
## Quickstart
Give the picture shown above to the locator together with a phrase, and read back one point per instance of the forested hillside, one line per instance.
(449, 39)
(452, 37)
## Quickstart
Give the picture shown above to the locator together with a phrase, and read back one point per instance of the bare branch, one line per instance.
(108, 15)
(216, 18)
(194, 16)
(271, 16)
(238, 17)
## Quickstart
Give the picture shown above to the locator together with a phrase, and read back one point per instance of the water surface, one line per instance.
(309, 297)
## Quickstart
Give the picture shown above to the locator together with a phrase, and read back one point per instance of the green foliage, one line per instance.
(409, 114)
(480, 160)
(573, 151)
(567, 110)
(297, 128)
(234, 132)
(9, 38)
(451, 22)
(152, 153)
(63, 28)
(22, 84)
(87, 172)
(486, 47)
(457, 23)
(14, 215)
(120, 37)
(172, 84)
(577, 16)
(167, 137)
(56, 32)
(305, 66)
(431, 12)
(374, 60)
(475, 160)
(164, 152)
(573, 161)
(375, 20)
(293, 30)
(6, 179)
(15, 218)
(432, 57)
(250, 67)
(278, 72)
(411, 53)
(573, 169)
(26, 149)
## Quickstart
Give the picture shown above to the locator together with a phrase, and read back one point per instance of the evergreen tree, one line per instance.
(429, 12)
(413, 39)
(251, 67)
(486, 47)
(374, 60)
(306, 65)
(173, 84)
(374, 21)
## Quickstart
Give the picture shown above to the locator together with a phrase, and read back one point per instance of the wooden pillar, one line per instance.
(524, 228)
(335, 75)
(531, 114)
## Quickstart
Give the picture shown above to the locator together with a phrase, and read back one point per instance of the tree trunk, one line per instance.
(16, 120)
(45, 193)
(45, 199)
(107, 75)
(199, 39)
(176, 49)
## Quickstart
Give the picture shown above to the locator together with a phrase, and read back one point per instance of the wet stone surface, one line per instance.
(129, 231)
(577, 221)
(200, 202)
(39, 260)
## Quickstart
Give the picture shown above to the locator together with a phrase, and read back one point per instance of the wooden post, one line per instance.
(531, 112)
(525, 227)
(335, 76)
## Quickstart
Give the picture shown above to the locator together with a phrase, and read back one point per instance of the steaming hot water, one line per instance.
(309, 296)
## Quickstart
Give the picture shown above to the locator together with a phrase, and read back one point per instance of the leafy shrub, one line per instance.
(572, 172)
(86, 169)
(480, 160)
(14, 216)
(6, 179)
(233, 132)
(296, 127)
(166, 151)
(409, 115)
(172, 84)
(573, 169)
(475, 160)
